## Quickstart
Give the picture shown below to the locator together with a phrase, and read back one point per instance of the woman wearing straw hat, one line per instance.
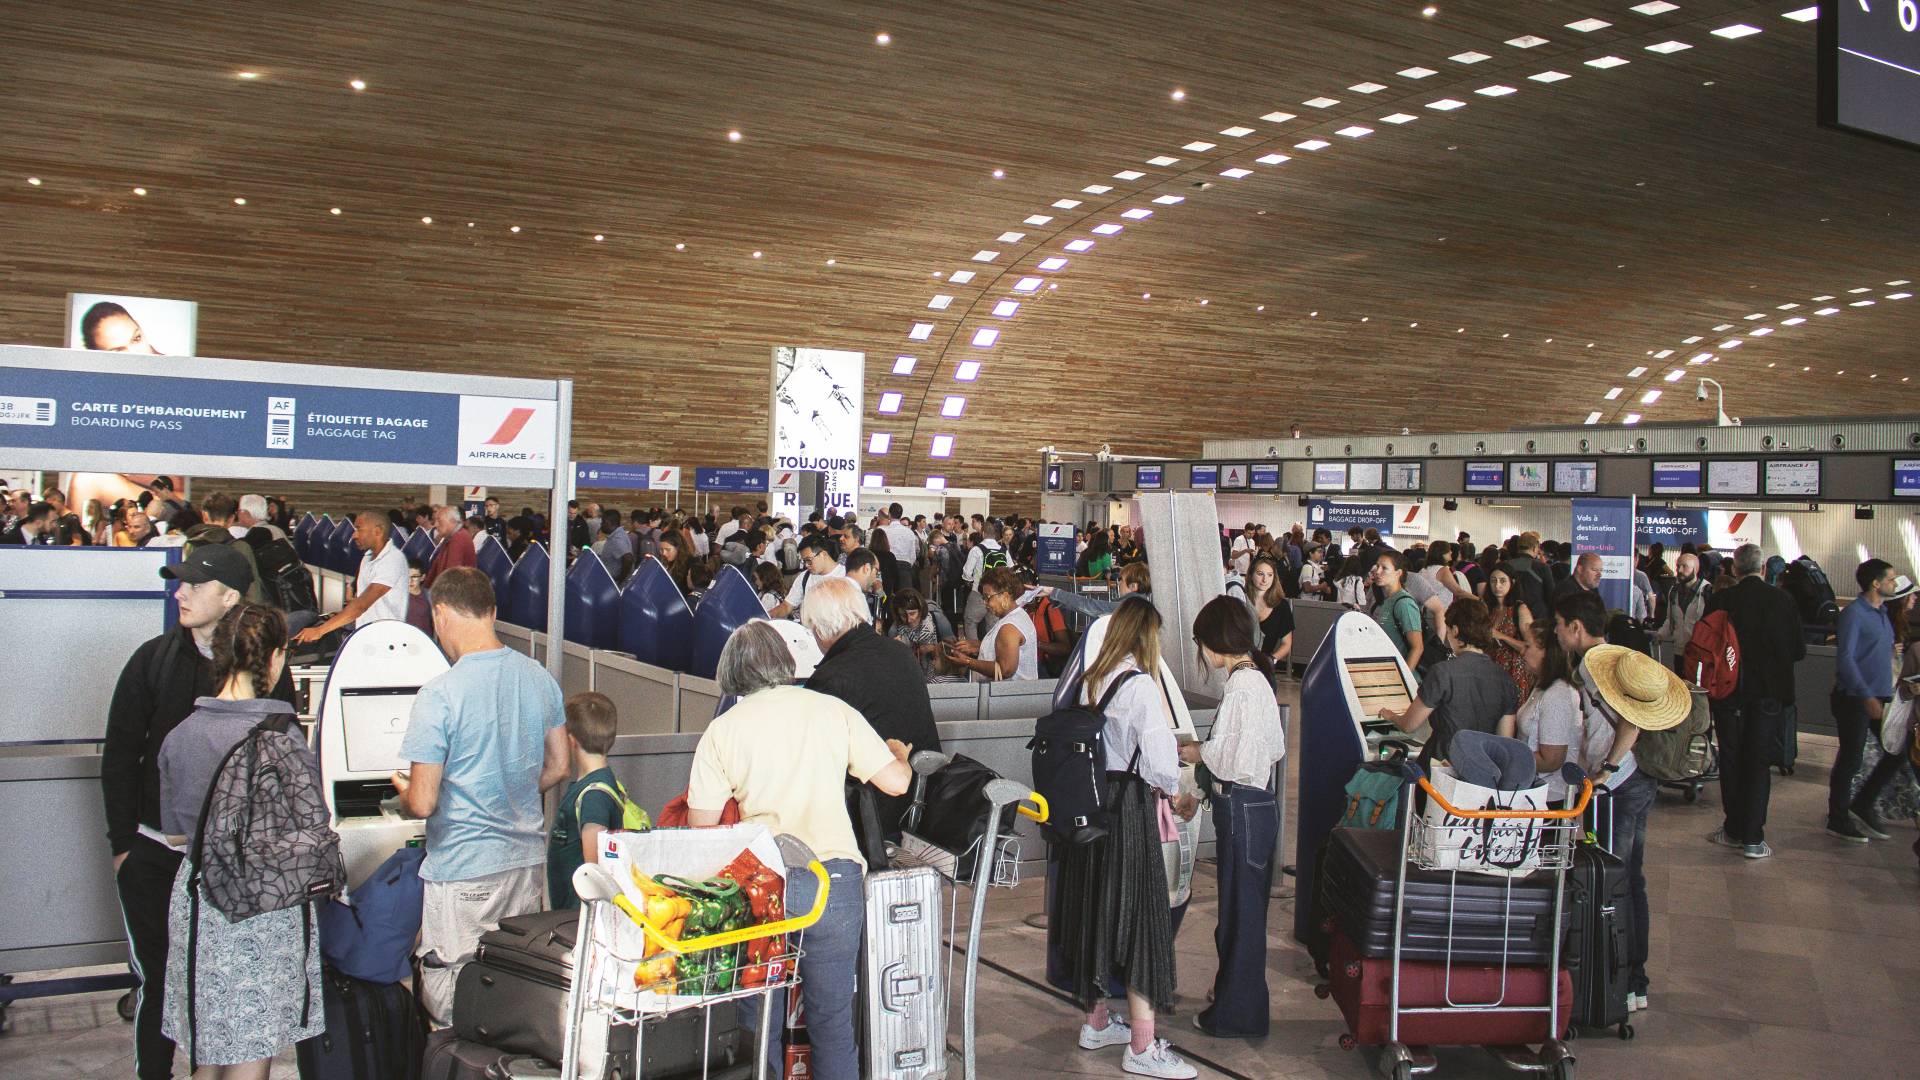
(1633, 692)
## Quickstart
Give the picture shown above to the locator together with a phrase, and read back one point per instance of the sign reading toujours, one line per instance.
(816, 424)
(159, 414)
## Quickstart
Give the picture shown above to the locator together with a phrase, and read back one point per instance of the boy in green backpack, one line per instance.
(594, 803)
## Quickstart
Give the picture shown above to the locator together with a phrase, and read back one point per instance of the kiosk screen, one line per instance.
(1378, 685)
(374, 723)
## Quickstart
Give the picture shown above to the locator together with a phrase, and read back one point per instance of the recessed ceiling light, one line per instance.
(1097, 189)
(1005, 308)
(1178, 94)
(1146, 296)
(1137, 214)
(357, 84)
(1277, 117)
(1861, 303)
(1736, 31)
(942, 446)
(1762, 332)
(1312, 144)
(999, 174)
(249, 74)
(1630, 419)
(883, 38)
(940, 302)
(1079, 245)
(1694, 340)
(1012, 237)
(1527, 41)
(1649, 397)
(1615, 392)
(334, 211)
(1259, 307)
(954, 405)
(1322, 102)
(1730, 343)
(426, 221)
(1037, 219)
(1897, 284)
(1203, 303)
(1605, 62)
(33, 180)
(1827, 311)
(1273, 159)
(1398, 118)
(240, 202)
(984, 337)
(1469, 57)
(1053, 263)
(1859, 290)
(1550, 77)
(733, 136)
(1163, 161)
(1413, 326)
(1447, 105)
(1027, 285)
(1662, 354)
(1128, 174)
(514, 229)
(679, 247)
(1588, 26)
(985, 256)
(1805, 14)
(1657, 7)
(1236, 132)
(921, 331)
(1795, 321)
(598, 237)
(1666, 47)
(1823, 299)
(936, 483)
(1786, 307)
(879, 443)
(139, 191)
(1198, 147)
(1170, 200)
(1416, 73)
(966, 371)
(1636, 372)
(1593, 417)
(1430, 11)
(1899, 295)
(1495, 90)
(1367, 87)
(889, 402)
(1108, 228)
(1236, 174)
(1065, 204)
(1755, 316)
(959, 277)
(903, 365)
(1355, 131)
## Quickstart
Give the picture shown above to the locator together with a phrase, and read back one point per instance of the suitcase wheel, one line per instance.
(1322, 991)
(1353, 971)
(1348, 1042)
(1626, 1031)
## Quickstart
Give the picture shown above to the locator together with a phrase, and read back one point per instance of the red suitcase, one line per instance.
(1363, 987)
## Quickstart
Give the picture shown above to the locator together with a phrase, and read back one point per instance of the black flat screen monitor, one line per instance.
(1869, 61)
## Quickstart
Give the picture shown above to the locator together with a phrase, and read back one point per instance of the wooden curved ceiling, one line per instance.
(1630, 207)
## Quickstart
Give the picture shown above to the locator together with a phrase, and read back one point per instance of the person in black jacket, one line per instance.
(878, 677)
(156, 691)
(1749, 724)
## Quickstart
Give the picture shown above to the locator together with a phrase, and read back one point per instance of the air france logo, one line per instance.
(510, 428)
(507, 433)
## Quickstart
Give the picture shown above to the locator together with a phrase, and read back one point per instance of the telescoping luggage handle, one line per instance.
(593, 882)
(1571, 772)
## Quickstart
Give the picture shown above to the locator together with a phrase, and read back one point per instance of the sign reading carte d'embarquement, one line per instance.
(158, 414)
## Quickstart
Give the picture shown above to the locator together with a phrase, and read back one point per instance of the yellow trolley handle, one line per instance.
(731, 937)
(1040, 812)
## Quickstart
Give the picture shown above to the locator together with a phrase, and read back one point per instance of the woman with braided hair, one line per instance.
(248, 974)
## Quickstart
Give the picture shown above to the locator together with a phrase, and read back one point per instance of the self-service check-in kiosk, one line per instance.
(362, 721)
(1354, 674)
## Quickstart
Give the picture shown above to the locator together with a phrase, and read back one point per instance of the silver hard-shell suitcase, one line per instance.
(902, 978)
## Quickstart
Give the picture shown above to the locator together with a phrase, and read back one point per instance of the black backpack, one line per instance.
(1070, 768)
(288, 585)
(1811, 591)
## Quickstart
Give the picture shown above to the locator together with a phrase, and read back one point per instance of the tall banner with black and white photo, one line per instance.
(816, 425)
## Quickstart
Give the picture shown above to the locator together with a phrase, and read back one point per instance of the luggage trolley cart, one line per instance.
(1555, 832)
(631, 1005)
(994, 861)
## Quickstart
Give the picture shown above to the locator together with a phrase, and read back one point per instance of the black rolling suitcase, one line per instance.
(1470, 918)
(1599, 920)
(375, 1031)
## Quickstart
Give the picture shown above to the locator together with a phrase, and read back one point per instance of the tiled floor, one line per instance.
(1804, 965)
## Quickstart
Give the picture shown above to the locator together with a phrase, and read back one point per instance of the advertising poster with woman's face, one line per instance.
(131, 324)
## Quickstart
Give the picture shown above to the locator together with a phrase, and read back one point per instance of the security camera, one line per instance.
(1701, 394)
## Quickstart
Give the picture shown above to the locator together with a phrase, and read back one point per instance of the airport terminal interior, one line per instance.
(471, 412)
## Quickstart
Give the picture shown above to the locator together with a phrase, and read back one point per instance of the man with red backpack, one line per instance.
(1756, 722)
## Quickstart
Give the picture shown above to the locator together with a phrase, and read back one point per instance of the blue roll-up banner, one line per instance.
(1606, 527)
(740, 480)
(1340, 516)
(157, 414)
(1055, 552)
(1681, 525)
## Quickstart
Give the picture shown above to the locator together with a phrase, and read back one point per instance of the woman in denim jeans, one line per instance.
(783, 752)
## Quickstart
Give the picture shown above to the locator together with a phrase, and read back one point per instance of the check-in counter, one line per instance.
(954, 701)
(647, 698)
(576, 668)
(1014, 699)
(699, 700)
(518, 638)
(58, 905)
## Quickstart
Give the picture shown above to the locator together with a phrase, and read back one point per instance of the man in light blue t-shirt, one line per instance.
(486, 739)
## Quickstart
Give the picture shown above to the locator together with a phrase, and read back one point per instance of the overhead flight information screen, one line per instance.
(1870, 67)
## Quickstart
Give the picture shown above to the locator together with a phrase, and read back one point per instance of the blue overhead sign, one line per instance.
(1266, 477)
(737, 480)
(1147, 476)
(1204, 476)
(1685, 525)
(51, 409)
(606, 474)
(1340, 516)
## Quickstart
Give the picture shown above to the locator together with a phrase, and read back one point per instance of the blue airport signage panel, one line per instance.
(51, 409)
(1906, 478)
(1266, 477)
(1204, 476)
(742, 480)
(1054, 551)
(1338, 517)
(1147, 476)
(1687, 525)
(1606, 528)
(607, 474)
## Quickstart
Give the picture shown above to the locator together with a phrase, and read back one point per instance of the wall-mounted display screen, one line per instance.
(1869, 67)
(1265, 477)
(1733, 478)
(1233, 476)
(1329, 476)
(1205, 476)
(1527, 477)
(1677, 477)
(1906, 478)
(1365, 476)
(1406, 476)
(1797, 478)
(1147, 476)
(1486, 476)
(1576, 477)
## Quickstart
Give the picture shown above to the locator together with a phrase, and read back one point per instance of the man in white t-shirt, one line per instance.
(737, 523)
(817, 562)
(1243, 548)
(380, 590)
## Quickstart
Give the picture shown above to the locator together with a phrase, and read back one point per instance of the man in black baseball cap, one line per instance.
(156, 691)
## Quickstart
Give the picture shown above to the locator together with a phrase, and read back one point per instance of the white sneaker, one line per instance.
(1114, 1034)
(1159, 1060)
(1636, 1002)
(1719, 836)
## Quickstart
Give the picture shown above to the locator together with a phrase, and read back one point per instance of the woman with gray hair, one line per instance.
(783, 752)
